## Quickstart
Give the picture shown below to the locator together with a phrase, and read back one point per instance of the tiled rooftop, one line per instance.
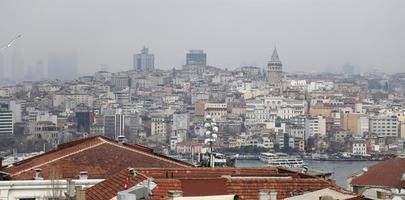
(387, 173)
(245, 182)
(99, 156)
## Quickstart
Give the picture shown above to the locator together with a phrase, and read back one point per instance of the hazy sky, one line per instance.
(309, 34)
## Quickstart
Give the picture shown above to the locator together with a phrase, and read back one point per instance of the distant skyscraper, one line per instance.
(144, 61)
(2, 67)
(40, 70)
(196, 57)
(275, 70)
(348, 69)
(114, 125)
(62, 66)
(17, 64)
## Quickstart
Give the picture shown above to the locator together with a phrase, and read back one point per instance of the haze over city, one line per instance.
(312, 35)
(202, 99)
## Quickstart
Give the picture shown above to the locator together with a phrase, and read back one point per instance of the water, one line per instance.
(341, 169)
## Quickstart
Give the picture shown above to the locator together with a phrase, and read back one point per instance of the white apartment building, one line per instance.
(217, 111)
(315, 126)
(359, 148)
(59, 99)
(6, 122)
(384, 125)
(159, 126)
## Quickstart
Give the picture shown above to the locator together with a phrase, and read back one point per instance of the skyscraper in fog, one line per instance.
(196, 57)
(17, 65)
(348, 69)
(2, 67)
(144, 61)
(275, 70)
(62, 65)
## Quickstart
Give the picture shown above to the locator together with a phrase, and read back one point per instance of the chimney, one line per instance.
(83, 175)
(121, 139)
(326, 198)
(174, 193)
(266, 194)
(132, 172)
(38, 174)
(80, 193)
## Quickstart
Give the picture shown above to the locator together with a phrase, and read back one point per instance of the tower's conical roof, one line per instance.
(274, 57)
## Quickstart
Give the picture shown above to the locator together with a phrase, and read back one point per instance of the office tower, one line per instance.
(35, 72)
(84, 121)
(348, 69)
(114, 125)
(62, 65)
(275, 70)
(40, 70)
(6, 118)
(144, 61)
(17, 65)
(196, 57)
(2, 67)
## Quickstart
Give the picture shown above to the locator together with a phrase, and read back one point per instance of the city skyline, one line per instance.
(311, 37)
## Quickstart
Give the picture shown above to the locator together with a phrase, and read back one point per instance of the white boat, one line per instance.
(282, 160)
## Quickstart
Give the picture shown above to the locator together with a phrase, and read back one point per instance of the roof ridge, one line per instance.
(61, 157)
(151, 154)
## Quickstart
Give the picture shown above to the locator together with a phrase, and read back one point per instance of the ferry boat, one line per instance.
(282, 160)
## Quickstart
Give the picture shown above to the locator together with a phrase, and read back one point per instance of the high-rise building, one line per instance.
(275, 70)
(2, 67)
(84, 121)
(384, 126)
(17, 64)
(62, 65)
(348, 69)
(6, 118)
(144, 61)
(114, 125)
(196, 57)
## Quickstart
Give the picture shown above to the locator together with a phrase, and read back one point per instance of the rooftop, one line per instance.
(387, 174)
(101, 157)
(244, 182)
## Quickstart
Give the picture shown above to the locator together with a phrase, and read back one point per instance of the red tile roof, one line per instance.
(99, 156)
(245, 182)
(109, 188)
(387, 173)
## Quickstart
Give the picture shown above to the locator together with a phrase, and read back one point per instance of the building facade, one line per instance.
(196, 57)
(144, 61)
(114, 125)
(384, 126)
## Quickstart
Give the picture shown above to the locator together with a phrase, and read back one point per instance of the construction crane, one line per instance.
(11, 42)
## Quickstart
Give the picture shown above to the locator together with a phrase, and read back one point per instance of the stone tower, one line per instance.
(275, 70)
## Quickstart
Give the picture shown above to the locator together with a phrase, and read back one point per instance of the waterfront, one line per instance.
(340, 169)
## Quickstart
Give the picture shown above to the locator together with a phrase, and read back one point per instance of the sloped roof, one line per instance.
(274, 56)
(114, 185)
(244, 182)
(101, 157)
(324, 192)
(387, 173)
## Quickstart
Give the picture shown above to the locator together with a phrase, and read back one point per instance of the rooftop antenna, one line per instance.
(11, 42)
